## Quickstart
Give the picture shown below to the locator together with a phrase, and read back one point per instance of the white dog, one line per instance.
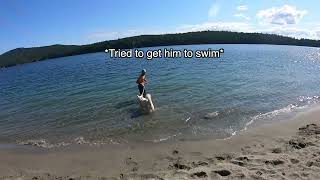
(146, 104)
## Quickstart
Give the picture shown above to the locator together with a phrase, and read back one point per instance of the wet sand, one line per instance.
(282, 150)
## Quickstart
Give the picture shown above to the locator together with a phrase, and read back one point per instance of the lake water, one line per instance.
(93, 99)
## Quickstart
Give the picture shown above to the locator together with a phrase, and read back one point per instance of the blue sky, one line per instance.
(29, 23)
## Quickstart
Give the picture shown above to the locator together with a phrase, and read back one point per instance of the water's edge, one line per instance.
(80, 142)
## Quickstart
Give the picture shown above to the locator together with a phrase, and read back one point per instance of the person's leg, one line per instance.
(144, 92)
(140, 87)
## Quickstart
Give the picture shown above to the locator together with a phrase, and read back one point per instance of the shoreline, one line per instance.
(175, 138)
(182, 159)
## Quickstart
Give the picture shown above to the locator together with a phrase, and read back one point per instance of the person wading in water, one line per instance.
(141, 81)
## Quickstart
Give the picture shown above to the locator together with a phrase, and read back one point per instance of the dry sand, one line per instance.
(283, 150)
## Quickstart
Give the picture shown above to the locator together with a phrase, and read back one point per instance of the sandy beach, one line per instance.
(282, 150)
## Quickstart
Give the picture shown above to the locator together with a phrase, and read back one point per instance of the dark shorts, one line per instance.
(142, 90)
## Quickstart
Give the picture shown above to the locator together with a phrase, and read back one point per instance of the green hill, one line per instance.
(27, 55)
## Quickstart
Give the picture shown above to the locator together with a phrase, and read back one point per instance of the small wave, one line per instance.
(212, 115)
(304, 102)
(268, 115)
(42, 143)
(81, 140)
(163, 139)
(288, 109)
(188, 119)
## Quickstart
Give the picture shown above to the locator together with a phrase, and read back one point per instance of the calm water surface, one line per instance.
(92, 98)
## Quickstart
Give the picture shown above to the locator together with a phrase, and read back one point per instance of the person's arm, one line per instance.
(145, 79)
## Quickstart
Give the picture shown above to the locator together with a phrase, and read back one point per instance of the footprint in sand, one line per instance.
(223, 157)
(222, 172)
(276, 150)
(294, 161)
(200, 174)
(242, 158)
(180, 166)
(240, 161)
(274, 162)
(132, 165)
(175, 152)
(298, 143)
(199, 163)
(310, 129)
(140, 177)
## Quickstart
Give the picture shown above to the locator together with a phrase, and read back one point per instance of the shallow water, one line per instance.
(92, 98)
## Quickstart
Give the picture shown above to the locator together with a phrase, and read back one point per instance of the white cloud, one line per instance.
(318, 33)
(242, 8)
(295, 32)
(214, 10)
(240, 15)
(281, 16)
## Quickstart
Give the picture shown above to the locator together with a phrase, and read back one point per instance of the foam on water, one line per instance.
(43, 143)
(304, 103)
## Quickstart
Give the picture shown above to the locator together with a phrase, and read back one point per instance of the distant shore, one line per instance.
(283, 150)
(33, 54)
